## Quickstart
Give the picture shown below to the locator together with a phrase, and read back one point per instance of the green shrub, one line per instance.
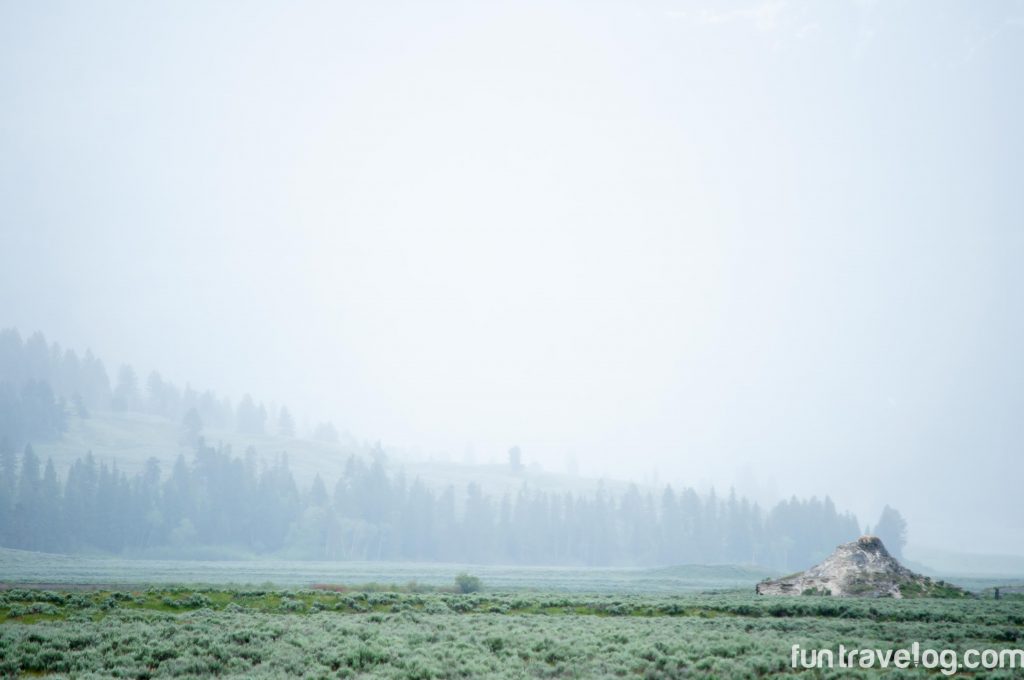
(466, 583)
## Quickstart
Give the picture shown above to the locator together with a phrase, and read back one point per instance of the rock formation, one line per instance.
(862, 568)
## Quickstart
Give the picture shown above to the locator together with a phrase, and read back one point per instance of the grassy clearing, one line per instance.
(25, 567)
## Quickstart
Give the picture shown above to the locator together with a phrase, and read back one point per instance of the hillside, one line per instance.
(66, 405)
(129, 439)
(239, 478)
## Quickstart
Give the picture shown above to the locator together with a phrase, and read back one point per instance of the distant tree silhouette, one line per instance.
(191, 428)
(285, 423)
(892, 529)
(326, 432)
(515, 459)
(126, 393)
(249, 418)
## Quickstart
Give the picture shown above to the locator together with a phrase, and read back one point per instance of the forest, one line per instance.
(217, 498)
(249, 505)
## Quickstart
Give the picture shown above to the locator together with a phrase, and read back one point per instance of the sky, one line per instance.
(775, 245)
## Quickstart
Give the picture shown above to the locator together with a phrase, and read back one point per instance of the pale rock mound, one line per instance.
(862, 568)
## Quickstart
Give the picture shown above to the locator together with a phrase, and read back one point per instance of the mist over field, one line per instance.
(446, 340)
(770, 247)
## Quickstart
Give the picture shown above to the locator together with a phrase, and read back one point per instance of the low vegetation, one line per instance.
(253, 632)
(467, 583)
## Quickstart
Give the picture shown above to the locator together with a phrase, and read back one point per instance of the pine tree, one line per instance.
(126, 393)
(892, 529)
(515, 459)
(156, 393)
(325, 432)
(8, 472)
(318, 492)
(285, 424)
(249, 418)
(191, 428)
(27, 518)
(50, 529)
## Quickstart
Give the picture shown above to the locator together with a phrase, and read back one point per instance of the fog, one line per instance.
(772, 245)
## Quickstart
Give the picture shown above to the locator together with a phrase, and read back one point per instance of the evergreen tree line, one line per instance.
(215, 498)
(41, 384)
(32, 412)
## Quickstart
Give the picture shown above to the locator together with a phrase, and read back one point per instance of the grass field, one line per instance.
(31, 568)
(100, 618)
(187, 632)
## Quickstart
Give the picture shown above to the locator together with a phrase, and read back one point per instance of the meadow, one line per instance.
(45, 569)
(337, 632)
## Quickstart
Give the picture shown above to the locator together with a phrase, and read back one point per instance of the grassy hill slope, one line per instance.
(129, 439)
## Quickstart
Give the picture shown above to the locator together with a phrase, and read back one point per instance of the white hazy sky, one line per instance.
(725, 241)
